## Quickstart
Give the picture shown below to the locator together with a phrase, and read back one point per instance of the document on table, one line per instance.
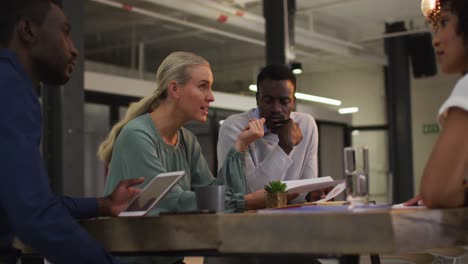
(334, 192)
(309, 185)
(402, 206)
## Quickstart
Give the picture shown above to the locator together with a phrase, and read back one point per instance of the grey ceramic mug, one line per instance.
(211, 198)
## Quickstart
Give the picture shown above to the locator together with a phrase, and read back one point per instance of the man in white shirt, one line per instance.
(288, 149)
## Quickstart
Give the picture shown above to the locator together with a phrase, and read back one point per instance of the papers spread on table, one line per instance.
(304, 209)
(402, 206)
(309, 185)
(310, 208)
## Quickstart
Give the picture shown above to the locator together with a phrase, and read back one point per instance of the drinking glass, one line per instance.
(356, 166)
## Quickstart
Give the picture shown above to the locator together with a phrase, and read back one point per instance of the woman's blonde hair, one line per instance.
(173, 68)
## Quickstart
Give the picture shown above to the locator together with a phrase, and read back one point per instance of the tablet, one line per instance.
(152, 194)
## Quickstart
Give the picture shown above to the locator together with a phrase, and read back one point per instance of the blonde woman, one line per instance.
(151, 140)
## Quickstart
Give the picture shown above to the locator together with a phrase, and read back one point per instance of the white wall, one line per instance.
(361, 88)
(427, 95)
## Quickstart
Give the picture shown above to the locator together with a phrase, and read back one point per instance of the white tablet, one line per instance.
(152, 193)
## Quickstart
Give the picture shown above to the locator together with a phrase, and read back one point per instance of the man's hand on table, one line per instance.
(318, 194)
(114, 203)
(257, 200)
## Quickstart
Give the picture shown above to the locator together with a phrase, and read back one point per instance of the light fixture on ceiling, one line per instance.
(307, 97)
(427, 6)
(253, 87)
(348, 110)
(296, 67)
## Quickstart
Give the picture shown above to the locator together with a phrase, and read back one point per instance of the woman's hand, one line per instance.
(252, 132)
(415, 201)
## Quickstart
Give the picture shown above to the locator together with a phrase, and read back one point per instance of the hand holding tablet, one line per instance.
(142, 203)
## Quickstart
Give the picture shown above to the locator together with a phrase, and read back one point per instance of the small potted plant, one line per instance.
(276, 194)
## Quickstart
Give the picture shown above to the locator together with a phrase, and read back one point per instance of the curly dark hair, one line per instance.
(457, 7)
(13, 10)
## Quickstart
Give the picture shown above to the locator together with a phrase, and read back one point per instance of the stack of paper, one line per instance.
(309, 185)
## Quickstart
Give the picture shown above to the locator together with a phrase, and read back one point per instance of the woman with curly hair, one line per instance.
(443, 182)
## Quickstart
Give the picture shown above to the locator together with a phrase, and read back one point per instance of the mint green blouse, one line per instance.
(140, 151)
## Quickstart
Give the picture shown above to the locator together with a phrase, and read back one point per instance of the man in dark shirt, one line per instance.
(35, 47)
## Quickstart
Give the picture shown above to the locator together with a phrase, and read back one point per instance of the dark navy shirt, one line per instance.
(28, 208)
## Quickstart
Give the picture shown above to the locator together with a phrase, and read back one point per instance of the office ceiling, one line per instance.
(331, 35)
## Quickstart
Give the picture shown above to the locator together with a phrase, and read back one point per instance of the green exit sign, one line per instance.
(430, 128)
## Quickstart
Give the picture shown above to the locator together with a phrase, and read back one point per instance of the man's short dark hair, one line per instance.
(276, 72)
(13, 10)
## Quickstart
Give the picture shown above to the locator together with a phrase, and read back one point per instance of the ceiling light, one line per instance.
(427, 6)
(307, 97)
(318, 99)
(297, 71)
(296, 67)
(349, 110)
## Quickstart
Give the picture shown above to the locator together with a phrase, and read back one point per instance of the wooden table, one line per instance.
(352, 233)
(343, 234)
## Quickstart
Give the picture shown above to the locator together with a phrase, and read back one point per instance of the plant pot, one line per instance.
(276, 199)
